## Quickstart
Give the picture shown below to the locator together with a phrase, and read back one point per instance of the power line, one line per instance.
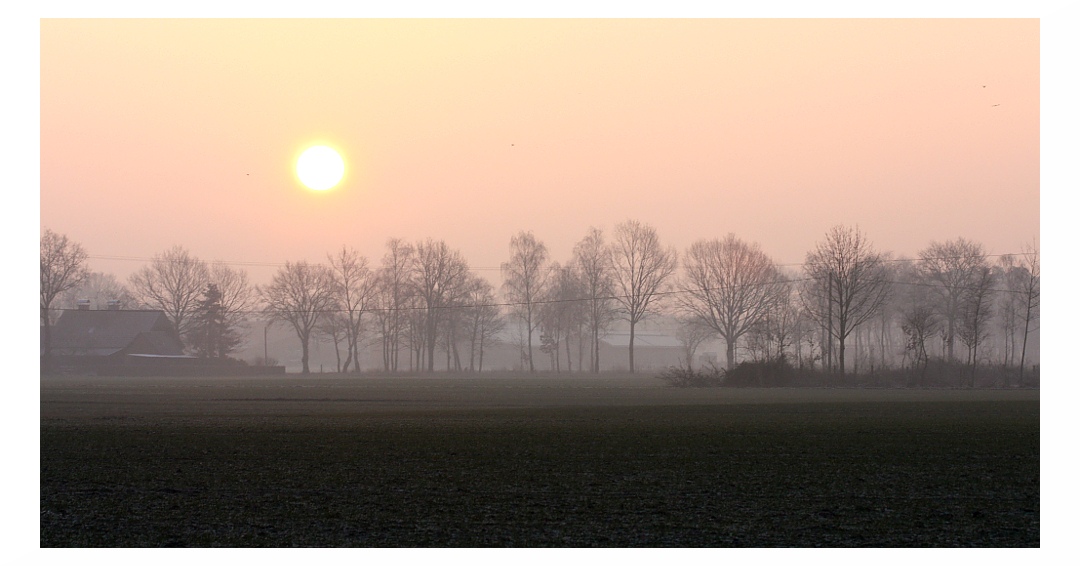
(588, 299)
(562, 267)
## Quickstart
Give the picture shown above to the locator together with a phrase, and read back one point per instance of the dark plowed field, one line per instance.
(835, 468)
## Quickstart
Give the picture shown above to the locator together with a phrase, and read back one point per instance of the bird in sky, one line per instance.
(993, 105)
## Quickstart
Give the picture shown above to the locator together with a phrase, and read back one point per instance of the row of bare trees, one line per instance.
(627, 278)
(954, 292)
(423, 298)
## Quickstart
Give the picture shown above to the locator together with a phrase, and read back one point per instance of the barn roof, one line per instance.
(105, 332)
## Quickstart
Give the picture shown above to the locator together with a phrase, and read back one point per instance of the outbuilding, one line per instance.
(88, 340)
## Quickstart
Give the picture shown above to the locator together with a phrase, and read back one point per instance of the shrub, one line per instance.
(685, 377)
(769, 373)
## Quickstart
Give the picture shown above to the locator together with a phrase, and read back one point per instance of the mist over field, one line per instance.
(540, 282)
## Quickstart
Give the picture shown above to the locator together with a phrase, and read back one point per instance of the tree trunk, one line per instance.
(480, 366)
(949, 340)
(730, 353)
(46, 366)
(472, 346)
(841, 360)
(974, 362)
(528, 323)
(829, 320)
(569, 360)
(1023, 348)
(432, 335)
(596, 352)
(449, 330)
(304, 354)
(631, 347)
(855, 364)
(884, 323)
(581, 347)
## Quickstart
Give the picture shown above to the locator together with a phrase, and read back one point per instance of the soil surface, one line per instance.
(615, 461)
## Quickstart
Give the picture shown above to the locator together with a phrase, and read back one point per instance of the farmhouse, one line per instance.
(94, 339)
(652, 350)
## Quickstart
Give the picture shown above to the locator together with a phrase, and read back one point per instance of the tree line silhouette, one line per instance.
(423, 300)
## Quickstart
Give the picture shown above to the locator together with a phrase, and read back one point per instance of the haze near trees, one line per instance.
(524, 277)
(299, 294)
(63, 267)
(731, 287)
(853, 307)
(640, 269)
(847, 287)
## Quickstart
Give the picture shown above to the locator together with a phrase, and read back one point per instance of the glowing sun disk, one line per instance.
(320, 168)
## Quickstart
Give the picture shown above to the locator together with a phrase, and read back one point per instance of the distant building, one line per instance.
(85, 339)
(652, 351)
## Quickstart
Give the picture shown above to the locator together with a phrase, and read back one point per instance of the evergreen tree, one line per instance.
(212, 336)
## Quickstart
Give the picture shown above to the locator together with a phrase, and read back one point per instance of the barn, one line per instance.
(652, 351)
(89, 340)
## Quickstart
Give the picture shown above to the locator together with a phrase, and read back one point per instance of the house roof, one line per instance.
(155, 342)
(103, 333)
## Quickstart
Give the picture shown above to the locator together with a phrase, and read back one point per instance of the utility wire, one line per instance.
(564, 267)
(588, 299)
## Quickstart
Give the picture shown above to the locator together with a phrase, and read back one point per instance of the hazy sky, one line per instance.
(163, 132)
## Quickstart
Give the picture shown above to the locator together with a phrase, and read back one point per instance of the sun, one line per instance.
(320, 168)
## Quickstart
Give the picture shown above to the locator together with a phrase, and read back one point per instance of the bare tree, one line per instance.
(559, 312)
(690, 334)
(848, 284)
(782, 327)
(100, 289)
(439, 276)
(414, 330)
(1030, 298)
(354, 289)
(524, 278)
(392, 291)
(334, 325)
(919, 321)
(951, 268)
(453, 321)
(640, 269)
(889, 311)
(173, 283)
(1009, 306)
(975, 313)
(299, 294)
(593, 260)
(731, 286)
(63, 267)
(484, 320)
(238, 297)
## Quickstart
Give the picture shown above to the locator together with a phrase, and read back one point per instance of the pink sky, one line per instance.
(162, 132)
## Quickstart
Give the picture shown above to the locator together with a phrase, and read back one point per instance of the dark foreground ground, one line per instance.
(360, 463)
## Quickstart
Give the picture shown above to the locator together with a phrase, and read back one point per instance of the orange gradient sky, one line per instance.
(163, 132)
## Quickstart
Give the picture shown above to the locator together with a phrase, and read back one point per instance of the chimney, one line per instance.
(83, 304)
(113, 305)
